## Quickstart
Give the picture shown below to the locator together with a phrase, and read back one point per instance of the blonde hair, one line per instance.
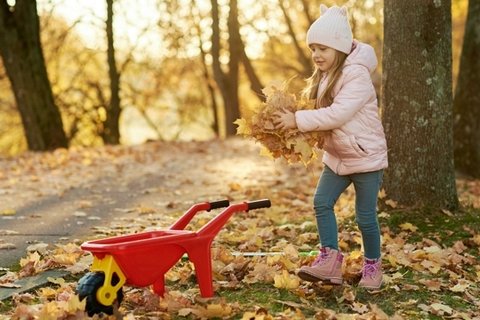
(326, 97)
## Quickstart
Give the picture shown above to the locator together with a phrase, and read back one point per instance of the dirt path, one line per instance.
(64, 196)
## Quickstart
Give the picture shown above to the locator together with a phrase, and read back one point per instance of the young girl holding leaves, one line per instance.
(355, 149)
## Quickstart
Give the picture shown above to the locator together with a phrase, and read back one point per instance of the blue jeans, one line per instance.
(330, 187)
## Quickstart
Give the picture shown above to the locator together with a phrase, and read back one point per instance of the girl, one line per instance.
(355, 149)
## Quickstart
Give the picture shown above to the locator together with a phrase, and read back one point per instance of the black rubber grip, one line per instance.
(257, 204)
(219, 204)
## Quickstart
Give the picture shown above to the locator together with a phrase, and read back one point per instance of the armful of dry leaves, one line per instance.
(293, 145)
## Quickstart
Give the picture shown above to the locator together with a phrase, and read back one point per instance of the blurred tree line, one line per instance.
(215, 57)
(211, 61)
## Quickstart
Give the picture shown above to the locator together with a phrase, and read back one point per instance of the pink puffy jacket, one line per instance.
(356, 142)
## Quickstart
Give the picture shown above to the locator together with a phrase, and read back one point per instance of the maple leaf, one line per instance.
(286, 280)
(243, 127)
(382, 193)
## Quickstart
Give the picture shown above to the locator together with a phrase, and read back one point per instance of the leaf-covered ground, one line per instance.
(431, 259)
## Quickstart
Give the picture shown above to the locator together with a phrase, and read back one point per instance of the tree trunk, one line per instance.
(467, 98)
(111, 131)
(227, 82)
(235, 48)
(210, 88)
(209, 82)
(417, 98)
(22, 55)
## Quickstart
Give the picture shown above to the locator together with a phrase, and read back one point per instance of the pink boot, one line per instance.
(372, 275)
(327, 266)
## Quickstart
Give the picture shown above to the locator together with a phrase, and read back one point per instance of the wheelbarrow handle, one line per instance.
(219, 204)
(182, 222)
(211, 228)
(258, 204)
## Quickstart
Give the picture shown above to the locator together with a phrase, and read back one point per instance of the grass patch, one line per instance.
(6, 305)
(260, 294)
(437, 225)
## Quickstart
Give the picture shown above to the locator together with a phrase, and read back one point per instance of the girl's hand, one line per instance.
(284, 119)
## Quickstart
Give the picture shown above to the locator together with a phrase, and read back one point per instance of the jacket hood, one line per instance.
(362, 54)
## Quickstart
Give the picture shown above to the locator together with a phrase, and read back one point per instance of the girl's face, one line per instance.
(323, 56)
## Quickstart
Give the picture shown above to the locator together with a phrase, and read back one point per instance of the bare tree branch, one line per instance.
(302, 58)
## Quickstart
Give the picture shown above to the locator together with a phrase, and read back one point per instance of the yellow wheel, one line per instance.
(89, 285)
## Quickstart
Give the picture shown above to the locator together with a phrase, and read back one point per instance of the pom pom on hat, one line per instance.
(332, 29)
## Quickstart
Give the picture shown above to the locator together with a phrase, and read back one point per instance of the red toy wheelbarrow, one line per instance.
(142, 259)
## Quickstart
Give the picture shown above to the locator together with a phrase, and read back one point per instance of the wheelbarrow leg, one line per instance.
(159, 286)
(200, 255)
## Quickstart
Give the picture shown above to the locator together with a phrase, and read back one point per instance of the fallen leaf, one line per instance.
(440, 309)
(382, 193)
(217, 311)
(460, 287)
(286, 281)
(8, 212)
(391, 203)
(459, 247)
(407, 226)
(242, 127)
(40, 247)
(359, 307)
(432, 285)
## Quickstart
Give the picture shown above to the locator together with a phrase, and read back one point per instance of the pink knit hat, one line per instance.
(331, 29)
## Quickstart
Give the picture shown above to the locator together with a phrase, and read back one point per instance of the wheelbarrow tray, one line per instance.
(143, 257)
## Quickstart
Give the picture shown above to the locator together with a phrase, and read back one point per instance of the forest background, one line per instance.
(165, 68)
